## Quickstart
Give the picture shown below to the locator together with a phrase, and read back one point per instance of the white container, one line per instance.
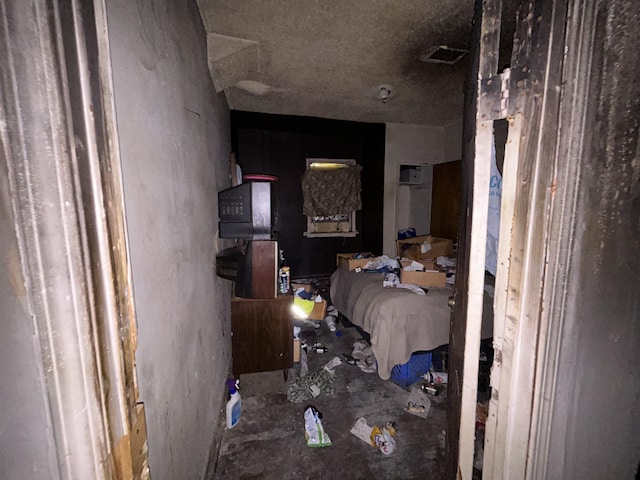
(436, 377)
(234, 408)
(330, 320)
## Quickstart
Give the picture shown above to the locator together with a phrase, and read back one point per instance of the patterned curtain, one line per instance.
(329, 192)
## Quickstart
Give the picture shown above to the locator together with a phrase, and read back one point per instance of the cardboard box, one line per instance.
(347, 260)
(319, 308)
(319, 311)
(433, 276)
(424, 247)
(296, 350)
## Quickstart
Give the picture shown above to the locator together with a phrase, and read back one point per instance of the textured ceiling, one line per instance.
(328, 58)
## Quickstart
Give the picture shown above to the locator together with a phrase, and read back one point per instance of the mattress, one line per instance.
(399, 321)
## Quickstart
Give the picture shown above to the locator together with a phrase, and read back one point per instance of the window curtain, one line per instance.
(330, 192)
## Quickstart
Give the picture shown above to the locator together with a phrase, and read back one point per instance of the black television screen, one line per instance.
(245, 211)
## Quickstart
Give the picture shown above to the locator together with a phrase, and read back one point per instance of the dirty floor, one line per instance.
(269, 443)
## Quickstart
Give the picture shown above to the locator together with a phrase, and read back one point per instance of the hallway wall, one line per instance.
(27, 448)
(174, 142)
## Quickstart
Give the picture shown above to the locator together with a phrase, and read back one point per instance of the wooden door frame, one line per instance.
(528, 95)
(550, 72)
(466, 318)
(546, 148)
(61, 154)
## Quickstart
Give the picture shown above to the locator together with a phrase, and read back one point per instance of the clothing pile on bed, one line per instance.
(391, 268)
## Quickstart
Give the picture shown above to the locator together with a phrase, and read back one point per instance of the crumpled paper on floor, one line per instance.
(418, 403)
(365, 358)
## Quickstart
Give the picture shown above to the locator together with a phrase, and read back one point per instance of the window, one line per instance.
(336, 224)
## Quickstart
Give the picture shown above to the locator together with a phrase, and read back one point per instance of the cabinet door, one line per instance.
(262, 334)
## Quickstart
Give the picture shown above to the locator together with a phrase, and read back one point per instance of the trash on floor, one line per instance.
(348, 359)
(432, 389)
(311, 385)
(304, 365)
(314, 433)
(362, 430)
(384, 440)
(380, 437)
(436, 377)
(365, 359)
(333, 363)
(418, 403)
(319, 348)
(332, 318)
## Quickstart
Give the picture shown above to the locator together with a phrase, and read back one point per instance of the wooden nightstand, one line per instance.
(262, 332)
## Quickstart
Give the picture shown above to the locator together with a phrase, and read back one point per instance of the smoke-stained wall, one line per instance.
(174, 140)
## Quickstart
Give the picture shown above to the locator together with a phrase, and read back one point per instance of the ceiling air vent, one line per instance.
(443, 54)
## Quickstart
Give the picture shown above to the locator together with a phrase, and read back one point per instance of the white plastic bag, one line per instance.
(313, 430)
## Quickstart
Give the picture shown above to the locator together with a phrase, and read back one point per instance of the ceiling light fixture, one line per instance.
(384, 93)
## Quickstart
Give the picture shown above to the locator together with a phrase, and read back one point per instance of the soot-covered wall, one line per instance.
(279, 145)
(174, 145)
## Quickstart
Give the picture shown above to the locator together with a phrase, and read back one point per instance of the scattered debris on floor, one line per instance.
(380, 437)
(346, 358)
(314, 433)
(313, 384)
(431, 389)
(362, 430)
(418, 403)
(333, 363)
(365, 359)
(332, 318)
(436, 377)
(319, 348)
(384, 440)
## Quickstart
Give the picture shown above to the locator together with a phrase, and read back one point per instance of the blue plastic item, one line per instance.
(409, 373)
(406, 233)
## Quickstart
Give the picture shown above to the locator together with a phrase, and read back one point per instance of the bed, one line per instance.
(399, 321)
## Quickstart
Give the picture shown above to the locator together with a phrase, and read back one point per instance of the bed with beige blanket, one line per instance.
(399, 321)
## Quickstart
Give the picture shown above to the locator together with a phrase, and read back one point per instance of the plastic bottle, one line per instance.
(285, 282)
(284, 277)
(330, 320)
(234, 405)
(436, 377)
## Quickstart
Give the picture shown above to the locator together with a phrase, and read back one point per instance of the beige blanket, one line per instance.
(399, 321)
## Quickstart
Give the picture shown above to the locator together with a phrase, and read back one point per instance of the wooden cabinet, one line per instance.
(262, 332)
(446, 200)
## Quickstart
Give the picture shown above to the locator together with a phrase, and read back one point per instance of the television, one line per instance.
(253, 267)
(245, 211)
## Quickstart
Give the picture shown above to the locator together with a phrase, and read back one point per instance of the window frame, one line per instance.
(324, 228)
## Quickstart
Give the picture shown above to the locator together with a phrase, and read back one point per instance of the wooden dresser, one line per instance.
(262, 332)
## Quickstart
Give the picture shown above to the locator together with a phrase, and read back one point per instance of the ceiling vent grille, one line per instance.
(443, 54)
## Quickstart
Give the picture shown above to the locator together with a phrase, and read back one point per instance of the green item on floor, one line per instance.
(314, 433)
(310, 386)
